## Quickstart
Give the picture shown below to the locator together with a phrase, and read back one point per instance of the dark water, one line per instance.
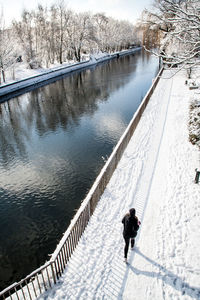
(51, 145)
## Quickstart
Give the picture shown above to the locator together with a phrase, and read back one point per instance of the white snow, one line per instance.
(156, 176)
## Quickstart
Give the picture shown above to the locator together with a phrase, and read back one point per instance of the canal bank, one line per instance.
(19, 87)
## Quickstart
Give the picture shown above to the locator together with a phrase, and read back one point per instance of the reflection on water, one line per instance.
(51, 145)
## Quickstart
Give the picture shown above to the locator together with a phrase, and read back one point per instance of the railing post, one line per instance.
(53, 274)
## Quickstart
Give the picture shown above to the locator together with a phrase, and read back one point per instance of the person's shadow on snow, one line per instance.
(168, 277)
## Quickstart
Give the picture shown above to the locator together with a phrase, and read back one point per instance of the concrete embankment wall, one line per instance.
(21, 86)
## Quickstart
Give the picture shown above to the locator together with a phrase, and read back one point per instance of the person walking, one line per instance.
(131, 226)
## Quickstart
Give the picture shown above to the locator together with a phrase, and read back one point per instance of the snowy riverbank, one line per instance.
(155, 175)
(28, 78)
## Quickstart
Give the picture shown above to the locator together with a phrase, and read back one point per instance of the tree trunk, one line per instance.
(3, 75)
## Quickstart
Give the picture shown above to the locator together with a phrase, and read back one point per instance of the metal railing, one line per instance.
(47, 275)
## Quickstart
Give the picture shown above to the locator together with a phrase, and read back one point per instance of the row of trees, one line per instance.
(56, 34)
(174, 27)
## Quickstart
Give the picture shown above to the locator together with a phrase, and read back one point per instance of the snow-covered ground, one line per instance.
(156, 176)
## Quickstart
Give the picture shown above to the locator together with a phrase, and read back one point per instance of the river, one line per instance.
(54, 141)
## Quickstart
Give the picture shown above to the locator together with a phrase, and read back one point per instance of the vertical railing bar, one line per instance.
(58, 264)
(16, 293)
(77, 231)
(10, 295)
(72, 241)
(88, 213)
(73, 235)
(89, 209)
(53, 274)
(84, 220)
(65, 253)
(68, 247)
(81, 225)
(56, 267)
(43, 280)
(22, 291)
(63, 256)
(48, 276)
(39, 284)
(32, 281)
(66, 250)
(61, 263)
(28, 289)
(85, 217)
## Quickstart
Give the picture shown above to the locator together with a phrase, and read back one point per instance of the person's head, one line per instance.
(132, 212)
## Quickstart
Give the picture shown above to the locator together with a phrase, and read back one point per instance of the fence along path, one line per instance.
(47, 275)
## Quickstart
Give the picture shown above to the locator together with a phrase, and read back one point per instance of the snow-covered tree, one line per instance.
(78, 29)
(8, 54)
(57, 34)
(179, 22)
(25, 31)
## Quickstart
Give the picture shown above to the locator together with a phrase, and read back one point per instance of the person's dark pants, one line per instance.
(127, 240)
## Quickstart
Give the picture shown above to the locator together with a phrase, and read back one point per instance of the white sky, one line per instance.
(119, 9)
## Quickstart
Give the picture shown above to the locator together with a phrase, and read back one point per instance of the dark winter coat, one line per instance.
(131, 226)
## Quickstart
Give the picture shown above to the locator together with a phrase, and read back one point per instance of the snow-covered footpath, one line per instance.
(156, 176)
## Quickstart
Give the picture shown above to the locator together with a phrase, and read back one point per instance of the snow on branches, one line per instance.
(179, 24)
